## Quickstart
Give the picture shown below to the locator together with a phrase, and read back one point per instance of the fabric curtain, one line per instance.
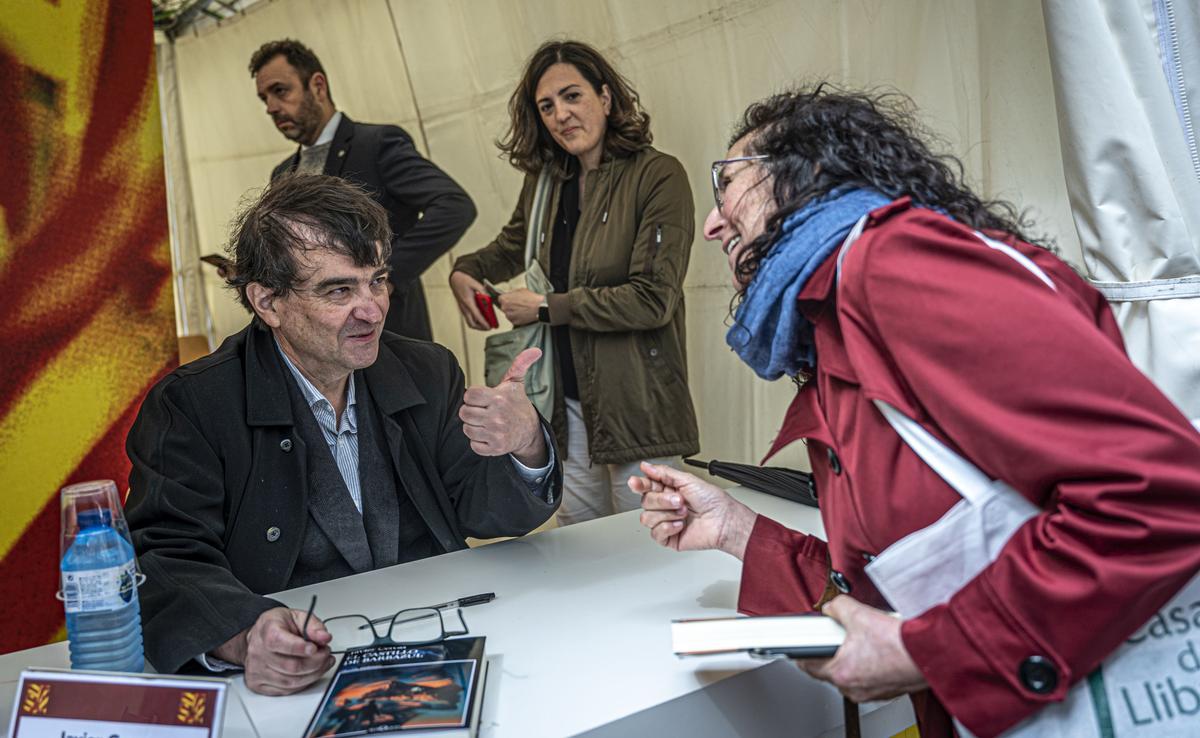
(978, 71)
(192, 317)
(1127, 88)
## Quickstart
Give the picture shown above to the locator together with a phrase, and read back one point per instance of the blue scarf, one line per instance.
(769, 332)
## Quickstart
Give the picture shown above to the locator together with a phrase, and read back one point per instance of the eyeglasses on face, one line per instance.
(418, 626)
(720, 181)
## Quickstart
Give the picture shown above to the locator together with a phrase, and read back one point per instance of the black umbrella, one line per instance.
(789, 484)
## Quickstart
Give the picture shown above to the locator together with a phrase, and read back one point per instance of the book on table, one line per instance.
(797, 636)
(431, 690)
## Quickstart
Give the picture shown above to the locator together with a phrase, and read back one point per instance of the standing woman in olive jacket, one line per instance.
(618, 234)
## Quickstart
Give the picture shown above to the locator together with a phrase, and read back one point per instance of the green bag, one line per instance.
(501, 349)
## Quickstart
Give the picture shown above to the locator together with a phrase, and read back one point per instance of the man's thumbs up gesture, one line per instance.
(500, 420)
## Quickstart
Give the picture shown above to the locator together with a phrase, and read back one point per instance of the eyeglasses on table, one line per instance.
(415, 626)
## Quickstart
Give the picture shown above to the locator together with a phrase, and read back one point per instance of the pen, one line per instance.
(478, 599)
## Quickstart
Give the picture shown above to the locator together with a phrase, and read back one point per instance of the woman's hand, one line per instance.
(464, 287)
(521, 305)
(872, 663)
(685, 513)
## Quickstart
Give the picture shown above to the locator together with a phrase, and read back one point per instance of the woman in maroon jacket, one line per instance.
(943, 311)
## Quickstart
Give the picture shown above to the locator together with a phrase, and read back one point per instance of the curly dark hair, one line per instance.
(821, 137)
(527, 144)
(302, 59)
(298, 213)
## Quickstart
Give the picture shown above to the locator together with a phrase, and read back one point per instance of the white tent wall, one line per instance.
(192, 317)
(979, 71)
(1133, 173)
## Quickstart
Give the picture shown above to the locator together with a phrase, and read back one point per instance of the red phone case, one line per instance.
(484, 303)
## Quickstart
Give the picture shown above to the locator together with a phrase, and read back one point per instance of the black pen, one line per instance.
(478, 599)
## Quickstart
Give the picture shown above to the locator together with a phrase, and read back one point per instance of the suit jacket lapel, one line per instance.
(293, 162)
(339, 148)
(275, 397)
(410, 478)
(267, 398)
(328, 499)
(381, 508)
(341, 522)
(395, 392)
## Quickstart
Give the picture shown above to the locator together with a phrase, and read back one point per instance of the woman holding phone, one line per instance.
(617, 235)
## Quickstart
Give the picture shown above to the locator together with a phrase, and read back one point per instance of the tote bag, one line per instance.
(1149, 686)
(501, 349)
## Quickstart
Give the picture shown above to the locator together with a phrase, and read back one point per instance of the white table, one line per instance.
(578, 636)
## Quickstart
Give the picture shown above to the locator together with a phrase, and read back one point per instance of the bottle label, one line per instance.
(96, 590)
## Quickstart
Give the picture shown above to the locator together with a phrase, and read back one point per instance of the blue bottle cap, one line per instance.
(93, 517)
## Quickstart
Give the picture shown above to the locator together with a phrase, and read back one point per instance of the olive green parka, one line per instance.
(624, 303)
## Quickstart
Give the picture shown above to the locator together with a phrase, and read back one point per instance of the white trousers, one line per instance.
(595, 490)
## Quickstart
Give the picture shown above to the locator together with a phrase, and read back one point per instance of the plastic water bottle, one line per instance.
(104, 622)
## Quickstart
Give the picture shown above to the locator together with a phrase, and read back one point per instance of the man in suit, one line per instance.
(428, 212)
(314, 445)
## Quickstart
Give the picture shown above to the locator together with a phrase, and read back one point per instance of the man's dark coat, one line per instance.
(384, 161)
(220, 504)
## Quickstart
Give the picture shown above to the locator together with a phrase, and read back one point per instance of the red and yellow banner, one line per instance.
(86, 314)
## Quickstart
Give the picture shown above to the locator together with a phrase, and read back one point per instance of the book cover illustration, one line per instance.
(386, 689)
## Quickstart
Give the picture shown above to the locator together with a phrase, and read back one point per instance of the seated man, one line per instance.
(312, 445)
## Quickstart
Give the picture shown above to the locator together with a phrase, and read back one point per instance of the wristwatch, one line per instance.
(544, 312)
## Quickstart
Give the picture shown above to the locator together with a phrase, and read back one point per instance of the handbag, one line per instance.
(501, 349)
(1149, 686)
(927, 567)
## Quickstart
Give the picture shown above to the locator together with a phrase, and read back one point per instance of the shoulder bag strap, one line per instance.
(534, 235)
(963, 476)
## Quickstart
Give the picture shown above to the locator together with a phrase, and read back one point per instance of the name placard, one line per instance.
(55, 703)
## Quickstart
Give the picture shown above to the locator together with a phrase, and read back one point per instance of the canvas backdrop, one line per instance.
(444, 71)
